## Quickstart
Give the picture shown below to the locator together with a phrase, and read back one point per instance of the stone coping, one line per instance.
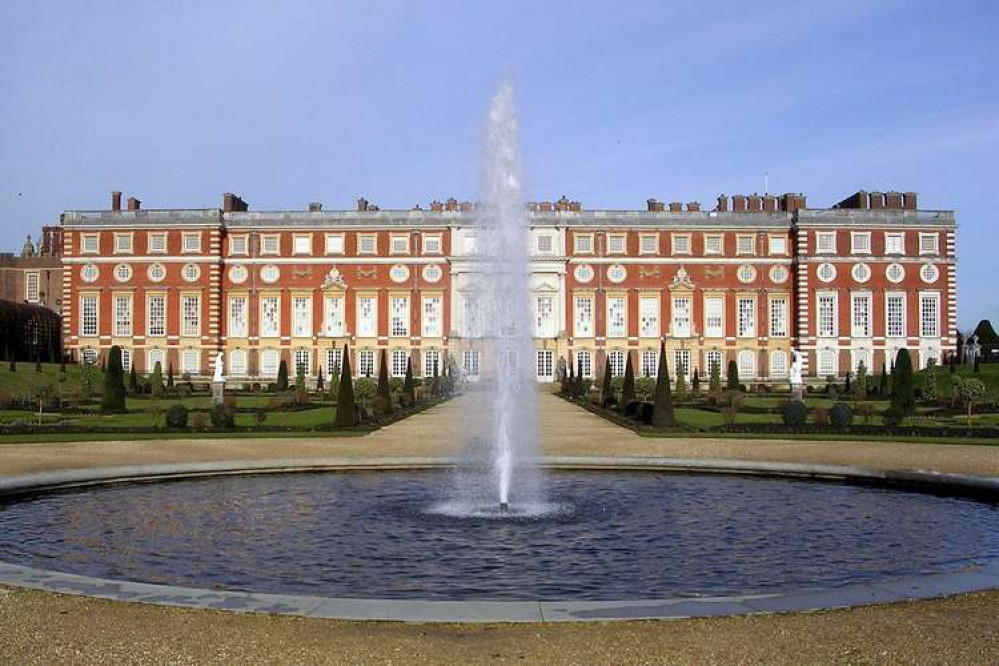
(414, 610)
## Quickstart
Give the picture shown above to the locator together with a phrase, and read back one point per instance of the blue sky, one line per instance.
(290, 102)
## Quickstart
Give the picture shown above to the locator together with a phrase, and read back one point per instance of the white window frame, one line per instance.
(779, 366)
(890, 237)
(934, 239)
(269, 327)
(90, 243)
(154, 356)
(826, 362)
(681, 244)
(335, 244)
(301, 244)
(334, 316)
(470, 362)
(745, 317)
(302, 356)
(151, 245)
(32, 286)
(777, 245)
(238, 362)
(583, 320)
(648, 244)
(713, 330)
(301, 316)
(367, 239)
(333, 360)
(270, 362)
(239, 245)
(187, 247)
(648, 316)
(617, 329)
(649, 363)
(124, 243)
(545, 321)
(544, 364)
(746, 360)
(432, 316)
(618, 360)
(367, 325)
(681, 361)
(582, 244)
(681, 317)
(826, 314)
(860, 242)
(430, 358)
(156, 324)
(861, 321)
(270, 245)
(583, 363)
(779, 309)
(190, 318)
(433, 244)
(238, 317)
(122, 322)
(896, 296)
(399, 244)
(711, 358)
(710, 240)
(929, 325)
(827, 238)
(745, 244)
(617, 239)
(366, 363)
(399, 315)
(542, 240)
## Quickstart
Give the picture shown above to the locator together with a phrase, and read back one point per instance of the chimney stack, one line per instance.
(675, 206)
(877, 200)
(116, 201)
(722, 206)
(315, 207)
(451, 204)
(754, 203)
(893, 200)
(654, 205)
(134, 204)
(436, 206)
(738, 203)
(233, 204)
(362, 205)
(769, 203)
(909, 201)
(694, 207)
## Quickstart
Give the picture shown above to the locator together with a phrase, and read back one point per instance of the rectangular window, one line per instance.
(191, 311)
(648, 316)
(778, 317)
(432, 325)
(615, 243)
(681, 317)
(365, 363)
(156, 315)
(746, 317)
(302, 244)
(366, 244)
(88, 316)
(270, 244)
(367, 316)
(270, 360)
(303, 362)
(471, 244)
(681, 362)
(825, 242)
(190, 361)
(399, 312)
(681, 243)
(432, 244)
(929, 243)
(31, 287)
(90, 243)
(334, 322)
(745, 244)
(778, 245)
(156, 243)
(301, 316)
(334, 357)
(617, 317)
(714, 317)
(583, 317)
(894, 243)
(860, 242)
(472, 317)
(826, 305)
(470, 362)
(713, 244)
(270, 316)
(929, 315)
(583, 243)
(122, 316)
(860, 317)
(126, 360)
(334, 244)
(192, 242)
(895, 315)
(546, 364)
(544, 317)
(400, 244)
(237, 363)
(238, 325)
(827, 362)
(545, 244)
(238, 245)
(649, 244)
(123, 243)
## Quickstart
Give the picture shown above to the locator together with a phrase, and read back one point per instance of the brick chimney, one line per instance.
(769, 203)
(451, 204)
(694, 207)
(722, 206)
(134, 204)
(754, 204)
(545, 206)
(362, 205)
(893, 200)
(738, 203)
(116, 201)
(654, 205)
(465, 206)
(436, 206)
(675, 206)
(877, 200)
(233, 204)
(315, 207)
(909, 201)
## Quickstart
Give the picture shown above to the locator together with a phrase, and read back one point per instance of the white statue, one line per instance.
(795, 376)
(218, 378)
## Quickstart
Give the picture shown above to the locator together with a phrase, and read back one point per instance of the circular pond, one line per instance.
(612, 535)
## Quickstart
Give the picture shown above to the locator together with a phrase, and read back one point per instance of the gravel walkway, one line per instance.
(43, 628)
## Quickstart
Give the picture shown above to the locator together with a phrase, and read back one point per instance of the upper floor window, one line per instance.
(713, 244)
(825, 242)
(302, 244)
(744, 244)
(156, 243)
(334, 244)
(31, 287)
(648, 244)
(615, 243)
(270, 244)
(545, 244)
(123, 243)
(366, 244)
(238, 245)
(929, 243)
(894, 243)
(400, 244)
(778, 244)
(192, 242)
(583, 243)
(681, 243)
(432, 244)
(90, 243)
(860, 242)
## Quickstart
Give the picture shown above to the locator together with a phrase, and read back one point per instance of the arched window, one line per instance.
(778, 363)
(190, 361)
(270, 359)
(584, 363)
(650, 363)
(431, 359)
(334, 357)
(747, 364)
(400, 359)
(303, 361)
(126, 359)
(616, 359)
(366, 363)
(237, 362)
(827, 363)
(154, 356)
(714, 358)
(861, 356)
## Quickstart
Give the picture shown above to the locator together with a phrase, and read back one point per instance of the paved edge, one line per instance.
(885, 591)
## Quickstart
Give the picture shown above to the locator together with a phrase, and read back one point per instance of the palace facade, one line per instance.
(745, 282)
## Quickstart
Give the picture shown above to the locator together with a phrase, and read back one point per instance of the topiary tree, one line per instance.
(383, 394)
(319, 381)
(794, 413)
(568, 381)
(346, 408)
(681, 385)
(903, 389)
(409, 386)
(169, 384)
(133, 381)
(695, 385)
(883, 381)
(714, 378)
(733, 376)
(282, 377)
(930, 393)
(578, 387)
(606, 389)
(156, 381)
(176, 416)
(840, 415)
(662, 405)
(968, 392)
(860, 385)
(223, 416)
(113, 400)
(628, 387)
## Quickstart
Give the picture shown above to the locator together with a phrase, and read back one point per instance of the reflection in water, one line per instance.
(613, 535)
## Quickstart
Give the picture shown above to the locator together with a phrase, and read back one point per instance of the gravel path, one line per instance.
(43, 628)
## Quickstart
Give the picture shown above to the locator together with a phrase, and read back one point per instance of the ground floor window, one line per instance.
(432, 360)
(827, 363)
(270, 359)
(154, 356)
(366, 363)
(681, 361)
(747, 364)
(190, 361)
(584, 363)
(617, 360)
(712, 360)
(546, 364)
(126, 359)
(334, 357)
(237, 363)
(778, 363)
(861, 356)
(470, 362)
(303, 358)
(650, 363)
(400, 359)
(88, 356)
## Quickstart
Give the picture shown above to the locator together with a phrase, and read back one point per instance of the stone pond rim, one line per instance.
(913, 587)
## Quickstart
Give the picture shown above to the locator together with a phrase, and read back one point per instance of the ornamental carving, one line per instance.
(366, 272)
(714, 272)
(648, 272)
(333, 279)
(682, 279)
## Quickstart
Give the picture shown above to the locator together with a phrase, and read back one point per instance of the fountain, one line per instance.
(498, 469)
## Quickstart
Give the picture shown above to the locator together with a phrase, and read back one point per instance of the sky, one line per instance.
(289, 102)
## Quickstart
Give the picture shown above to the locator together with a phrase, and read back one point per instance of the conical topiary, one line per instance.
(156, 380)
(282, 376)
(408, 385)
(628, 386)
(170, 376)
(113, 400)
(383, 395)
(903, 388)
(662, 408)
(346, 408)
(133, 381)
(732, 381)
(607, 389)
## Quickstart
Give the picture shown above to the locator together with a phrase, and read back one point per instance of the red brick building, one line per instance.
(747, 281)
(35, 274)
